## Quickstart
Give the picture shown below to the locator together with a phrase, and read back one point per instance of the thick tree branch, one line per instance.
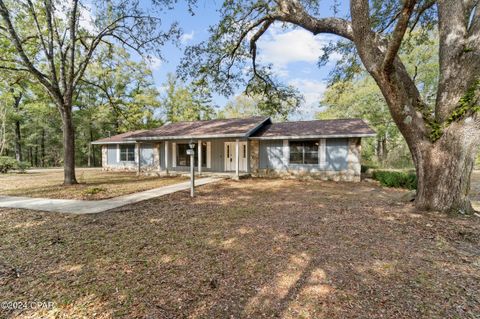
(420, 11)
(253, 47)
(398, 34)
(295, 13)
(71, 72)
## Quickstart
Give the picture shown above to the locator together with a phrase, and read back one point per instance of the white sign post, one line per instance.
(191, 152)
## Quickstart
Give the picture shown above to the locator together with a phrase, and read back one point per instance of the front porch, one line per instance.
(213, 157)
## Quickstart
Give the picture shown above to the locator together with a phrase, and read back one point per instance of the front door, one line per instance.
(230, 156)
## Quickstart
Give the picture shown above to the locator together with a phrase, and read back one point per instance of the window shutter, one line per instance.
(174, 154)
(209, 154)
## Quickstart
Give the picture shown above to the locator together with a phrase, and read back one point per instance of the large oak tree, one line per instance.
(55, 41)
(443, 135)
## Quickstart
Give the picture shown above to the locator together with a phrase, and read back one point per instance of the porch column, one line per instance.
(139, 154)
(157, 149)
(199, 156)
(166, 157)
(237, 158)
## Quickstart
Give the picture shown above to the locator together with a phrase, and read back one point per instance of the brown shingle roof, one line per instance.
(119, 138)
(248, 127)
(205, 129)
(318, 128)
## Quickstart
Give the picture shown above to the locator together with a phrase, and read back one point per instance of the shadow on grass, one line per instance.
(248, 249)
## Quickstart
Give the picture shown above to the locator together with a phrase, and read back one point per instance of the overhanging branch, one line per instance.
(398, 34)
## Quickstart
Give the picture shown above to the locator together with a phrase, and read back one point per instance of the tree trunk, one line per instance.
(18, 134)
(68, 147)
(36, 155)
(90, 149)
(42, 145)
(30, 155)
(443, 171)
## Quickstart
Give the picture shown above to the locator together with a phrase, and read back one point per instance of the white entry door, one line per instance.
(230, 156)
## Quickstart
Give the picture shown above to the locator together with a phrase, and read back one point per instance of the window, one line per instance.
(127, 153)
(304, 152)
(244, 151)
(184, 160)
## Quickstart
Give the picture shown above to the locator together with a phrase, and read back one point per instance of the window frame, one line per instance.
(308, 155)
(187, 157)
(127, 152)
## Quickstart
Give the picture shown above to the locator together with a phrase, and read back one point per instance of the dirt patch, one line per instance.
(249, 249)
(93, 184)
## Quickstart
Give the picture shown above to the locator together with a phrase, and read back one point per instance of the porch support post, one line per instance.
(200, 156)
(166, 157)
(139, 154)
(158, 156)
(237, 158)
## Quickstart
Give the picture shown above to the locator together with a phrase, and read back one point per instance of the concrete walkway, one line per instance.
(73, 206)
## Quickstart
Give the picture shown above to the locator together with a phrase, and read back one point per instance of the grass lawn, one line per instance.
(249, 249)
(93, 184)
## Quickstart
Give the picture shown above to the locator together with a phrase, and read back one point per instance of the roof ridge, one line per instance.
(322, 120)
(225, 119)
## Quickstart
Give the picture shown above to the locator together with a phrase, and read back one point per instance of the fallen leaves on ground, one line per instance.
(258, 248)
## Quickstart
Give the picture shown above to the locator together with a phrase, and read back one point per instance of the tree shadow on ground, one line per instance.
(248, 249)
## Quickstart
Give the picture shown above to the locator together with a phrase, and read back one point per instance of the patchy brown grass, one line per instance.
(250, 249)
(93, 184)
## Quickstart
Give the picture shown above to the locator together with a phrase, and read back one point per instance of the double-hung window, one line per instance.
(303, 152)
(127, 153)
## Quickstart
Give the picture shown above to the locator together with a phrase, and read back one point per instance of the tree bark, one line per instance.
(68, 146)
(90, 149)
(36, 156)
(42, 145)
(18, 134)
(443, 172)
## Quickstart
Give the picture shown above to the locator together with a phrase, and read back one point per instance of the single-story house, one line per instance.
(329, 149)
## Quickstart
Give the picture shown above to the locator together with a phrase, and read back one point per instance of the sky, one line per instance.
(294, 54)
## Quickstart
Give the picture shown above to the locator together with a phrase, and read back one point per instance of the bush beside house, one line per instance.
(397, 179)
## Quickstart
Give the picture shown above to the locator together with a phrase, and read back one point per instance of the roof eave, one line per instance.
(300, 137)
(186, 137)
(110, 142)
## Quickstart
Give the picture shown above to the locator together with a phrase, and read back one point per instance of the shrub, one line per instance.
(7, 164)
(396, 179)
(22, 166)
(93, 190)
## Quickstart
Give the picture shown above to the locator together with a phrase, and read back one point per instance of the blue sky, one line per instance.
(294, 53)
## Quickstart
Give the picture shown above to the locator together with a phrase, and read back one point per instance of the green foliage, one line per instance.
(396, 179)
(8, 163)
(358, 96)
(361, 98)
(93, 190)
(23, 166)
(185, 103)
(467, 104)
(243, 105)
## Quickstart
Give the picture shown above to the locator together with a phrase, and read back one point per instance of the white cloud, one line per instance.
(313, 92)
(153, 62)
(186, 37)
(281, 47)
